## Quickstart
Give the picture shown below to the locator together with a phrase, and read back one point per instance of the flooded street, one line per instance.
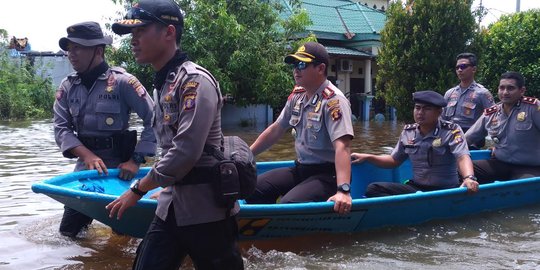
(29, 222)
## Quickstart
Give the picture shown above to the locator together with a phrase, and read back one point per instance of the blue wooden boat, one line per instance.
(89, 193)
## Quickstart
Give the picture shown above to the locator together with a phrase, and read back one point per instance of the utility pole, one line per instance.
(518, 4)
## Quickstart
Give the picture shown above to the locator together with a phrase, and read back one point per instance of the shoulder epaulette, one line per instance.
(448, 125)
(297, 89)
(530, 100)
(491, 110)
(118, 69)
(328, 93)
(410, 126)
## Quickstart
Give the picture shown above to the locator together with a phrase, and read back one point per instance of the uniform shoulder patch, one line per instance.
(328, 93)
(491, 110)
(190, 85)
(530, 100)
(137, 86)
(410, 126)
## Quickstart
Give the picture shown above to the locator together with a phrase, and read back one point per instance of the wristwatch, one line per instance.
(138, 158)
(345, 188)
(135, 188)
(472, 177)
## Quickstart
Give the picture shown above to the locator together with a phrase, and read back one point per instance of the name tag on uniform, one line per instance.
(314, 116)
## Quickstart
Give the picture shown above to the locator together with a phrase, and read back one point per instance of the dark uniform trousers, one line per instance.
(488, 171)
(292, 183)
(381, 189)
(209, 245)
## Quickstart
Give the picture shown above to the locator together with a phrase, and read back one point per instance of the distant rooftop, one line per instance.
(341, 20)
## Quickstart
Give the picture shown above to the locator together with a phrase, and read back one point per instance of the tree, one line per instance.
(242, 42)
(420, 41)
(23, 94)
(512, 44)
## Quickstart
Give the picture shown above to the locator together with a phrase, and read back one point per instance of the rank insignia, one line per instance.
(109, 121)
(189, 101)
(318, 106)
(437, 142)
(521, 116)
(336, 114)
(314, 116)
(328, 93)
(491, 110)
(110, 83)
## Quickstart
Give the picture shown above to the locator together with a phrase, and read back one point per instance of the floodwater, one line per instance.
(29, 239)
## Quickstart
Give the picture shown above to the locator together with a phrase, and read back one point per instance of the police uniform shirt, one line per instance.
(516, 136)
(187, 116)
(434, 156)
(466, 106)
(102, 111)
(317, 122)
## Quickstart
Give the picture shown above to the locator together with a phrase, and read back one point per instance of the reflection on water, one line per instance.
(28, 222)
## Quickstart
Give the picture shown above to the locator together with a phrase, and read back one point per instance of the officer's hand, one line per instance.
(93, 162)
(358, 157)
(342, 202)
(128, 169)
(125, 201)
(472, 186)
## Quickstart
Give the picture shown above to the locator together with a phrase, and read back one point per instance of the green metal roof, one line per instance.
(347, 51)
(341, 20)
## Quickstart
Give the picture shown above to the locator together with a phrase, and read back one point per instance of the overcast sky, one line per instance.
(44, 22)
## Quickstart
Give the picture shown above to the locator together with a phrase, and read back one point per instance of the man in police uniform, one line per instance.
(514, 126)
(436, 148)
(92, 111)
(320, 116)
(468, 99)
(189, 219)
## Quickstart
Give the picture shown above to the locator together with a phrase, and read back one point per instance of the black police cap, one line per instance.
(429, 97)
(87, 34)
(146, 12)
(309, 52)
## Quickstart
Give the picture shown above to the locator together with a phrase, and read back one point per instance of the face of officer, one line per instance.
(81, 56)
(149, 44)
(509, 92)
(465, 70)
(426, 114)
(309, 75)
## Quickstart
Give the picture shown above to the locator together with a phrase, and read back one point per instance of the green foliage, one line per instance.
(419, 44)
(22, 93)
(512, 44)
(241, 42)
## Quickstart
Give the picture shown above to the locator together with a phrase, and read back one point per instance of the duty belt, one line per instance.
(97, 143)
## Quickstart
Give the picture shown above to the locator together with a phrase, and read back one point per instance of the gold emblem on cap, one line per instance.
(109, 121)
(302, 48)
(436, 142)
(521, 116)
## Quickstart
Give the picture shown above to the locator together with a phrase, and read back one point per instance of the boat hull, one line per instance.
(284, 220)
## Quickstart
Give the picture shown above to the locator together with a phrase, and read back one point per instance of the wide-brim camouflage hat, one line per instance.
(87, 34)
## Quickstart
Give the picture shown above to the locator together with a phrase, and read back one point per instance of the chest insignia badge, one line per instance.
(437, 142)
(521, 116)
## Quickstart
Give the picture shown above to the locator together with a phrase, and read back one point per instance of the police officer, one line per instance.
(320, 116)
(189, 219)
(92, 111)
(514, 126)
(436, 148)
(468, 99)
